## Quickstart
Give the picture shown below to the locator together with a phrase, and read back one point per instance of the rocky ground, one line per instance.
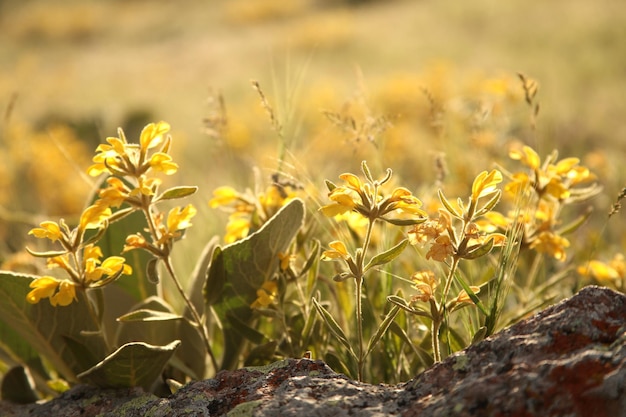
(568, 360)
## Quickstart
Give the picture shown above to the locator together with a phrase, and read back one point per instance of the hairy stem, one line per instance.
(197, 320)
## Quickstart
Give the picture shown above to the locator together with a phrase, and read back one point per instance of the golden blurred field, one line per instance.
(421, 78)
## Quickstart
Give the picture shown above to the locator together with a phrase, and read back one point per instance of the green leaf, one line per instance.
(423, 355)
(472, 295)
(238, 270)
(192, 353)
(244, 330)
(177, 192)
(330, 185)
(149, 315)
(261, 354)
(22, 352)
(17, 386)
(152, 271)
(152, 321)
(134, 364)
(490, 204)
(404, 222)
(338, 365)
(402, 303)
(44, 327)
(387, 256)
(382, 329)
(574, 224)
(47, 254)
(451, 209)
(477, 251)
(313, 257)
(333, 326)
(366, 171)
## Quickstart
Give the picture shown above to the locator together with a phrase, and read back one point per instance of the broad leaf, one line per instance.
(135, 364)
(45, 327)
(17, 386)
(238, 270)
(152, 321)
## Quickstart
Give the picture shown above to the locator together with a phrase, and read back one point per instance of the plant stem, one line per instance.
(359, 294)
(359, 317)
(434, 330)
(197, 321)
(436, 325)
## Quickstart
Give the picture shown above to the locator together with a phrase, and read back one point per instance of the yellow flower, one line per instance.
(66, 293)
(338, 251)
(441, 248)
(47, 229)
(108, 158)
(61, 261)
(266, 295)
(600, 271)
(237, 227)
(485, 184)
(152, 135)
(430, 229)
(402, 199)
(223, 196)
(135, 241)
(519, 182)
(285, 260)
(612, 273)
(344, 201)
(552, 244)
(109, 267)
(94, 216)
(161, 161)
(146, 186)
(527, 156)
(180, 218)
(426, 284)
(116, 193)
(463, 297)
(353, 181)
(43, 287)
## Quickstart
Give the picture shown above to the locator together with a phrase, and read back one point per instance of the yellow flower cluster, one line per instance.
(81, 261)
(131, 168)
(553, 184)
(247, 211)
(612, 273)
(366, 199)
(469, 239)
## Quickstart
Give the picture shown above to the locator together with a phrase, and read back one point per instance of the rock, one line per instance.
(568, 360)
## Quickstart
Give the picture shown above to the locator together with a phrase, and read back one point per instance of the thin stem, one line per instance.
(359, 294)
(197, 321)
(434, 330)
(95, 317)
(438, 317)
(532, 274)
(359, 317)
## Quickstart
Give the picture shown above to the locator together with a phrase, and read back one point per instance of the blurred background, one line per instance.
(403, 83)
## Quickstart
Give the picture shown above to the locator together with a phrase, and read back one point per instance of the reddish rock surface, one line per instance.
(568, 360)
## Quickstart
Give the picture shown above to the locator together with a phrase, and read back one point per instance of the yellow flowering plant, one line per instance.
(396, 286)
(547, 190)
(80, 301)
(400, 208)
(455, 235)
